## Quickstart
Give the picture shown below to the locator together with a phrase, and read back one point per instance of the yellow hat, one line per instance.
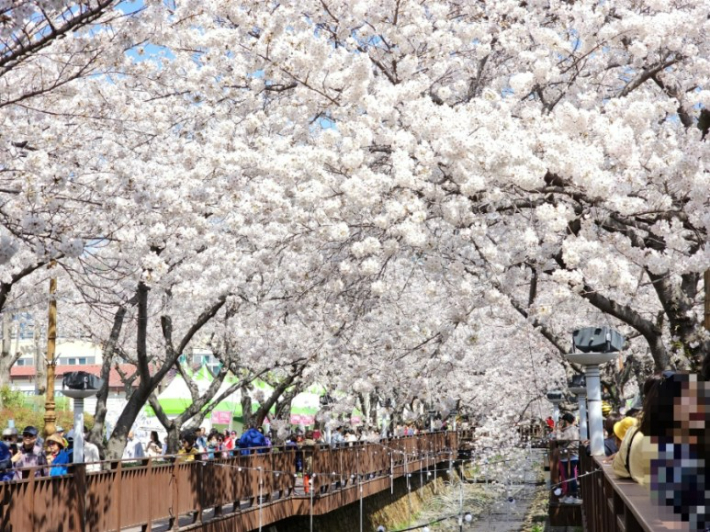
(621, 427)
(56, 438)
(606, 408)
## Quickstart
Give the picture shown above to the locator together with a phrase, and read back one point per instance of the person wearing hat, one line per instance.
(636, 451)
(9, 438)
(29, 454)
(60, 430)
(58, 455)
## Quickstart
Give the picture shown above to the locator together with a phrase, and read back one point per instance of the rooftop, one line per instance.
(114, 381)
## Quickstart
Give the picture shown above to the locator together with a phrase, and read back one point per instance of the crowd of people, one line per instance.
(19, 452)
(216, 443)
(51, 456)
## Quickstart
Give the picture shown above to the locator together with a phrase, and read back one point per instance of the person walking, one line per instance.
(252, 438)
(134, 448)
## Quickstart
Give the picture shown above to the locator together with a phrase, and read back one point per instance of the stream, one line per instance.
(498, 495)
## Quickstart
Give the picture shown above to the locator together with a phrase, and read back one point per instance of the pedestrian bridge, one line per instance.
(239, 493)
(249, 492)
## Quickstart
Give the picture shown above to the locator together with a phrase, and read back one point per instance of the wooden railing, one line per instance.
(611, 504)
(242, 492)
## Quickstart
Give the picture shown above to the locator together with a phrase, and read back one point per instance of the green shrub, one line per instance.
(29, 410)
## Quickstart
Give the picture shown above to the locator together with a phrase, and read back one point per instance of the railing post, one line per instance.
(175, 524)
(200, 465)
(31, 492)
(117, 488)
(80, 487)
(149, 525)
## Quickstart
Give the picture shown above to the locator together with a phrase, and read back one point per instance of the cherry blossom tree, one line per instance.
(382, 186)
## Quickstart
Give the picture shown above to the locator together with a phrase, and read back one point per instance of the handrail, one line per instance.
(612, 504)
(257, 487)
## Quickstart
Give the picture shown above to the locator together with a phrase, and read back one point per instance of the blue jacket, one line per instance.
(6, 471)
(59, 467)
(252, 438)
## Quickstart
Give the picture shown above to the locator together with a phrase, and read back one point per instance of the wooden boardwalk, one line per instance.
(238, 493)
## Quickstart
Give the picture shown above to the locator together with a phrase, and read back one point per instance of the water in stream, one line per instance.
(497, 494)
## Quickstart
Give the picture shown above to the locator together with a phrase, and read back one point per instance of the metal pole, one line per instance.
(594, 397)
(261, 498)
(391, 473)
(409, 488)
(461, 505)
(360, 503)
(582, 401)
(310, 491)
(556, 414)
(78, 430)
(50, 416)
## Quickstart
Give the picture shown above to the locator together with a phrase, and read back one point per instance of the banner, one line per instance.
(221, 418)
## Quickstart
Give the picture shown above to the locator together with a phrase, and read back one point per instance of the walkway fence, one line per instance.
(242, 492)
(609, 504)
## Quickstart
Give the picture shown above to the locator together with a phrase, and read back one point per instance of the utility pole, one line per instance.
(50, 416)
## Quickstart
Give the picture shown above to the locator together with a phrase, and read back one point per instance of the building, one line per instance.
(23, 378)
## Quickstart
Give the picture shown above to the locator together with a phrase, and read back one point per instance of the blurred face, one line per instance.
(53, 447)
(186, 445)
(690, 412)
(28, 440)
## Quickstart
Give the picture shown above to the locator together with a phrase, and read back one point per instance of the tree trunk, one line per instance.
(246, 408)
(117, 442)
(96, 435)
(7, 357)
(173, 441)
(147, 383)
(278, 392)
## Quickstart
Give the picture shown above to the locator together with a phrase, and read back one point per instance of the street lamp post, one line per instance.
(50, 415)
(325, 401)
(578, 386)
(555, 397)
(598, 345)
(79, 385)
